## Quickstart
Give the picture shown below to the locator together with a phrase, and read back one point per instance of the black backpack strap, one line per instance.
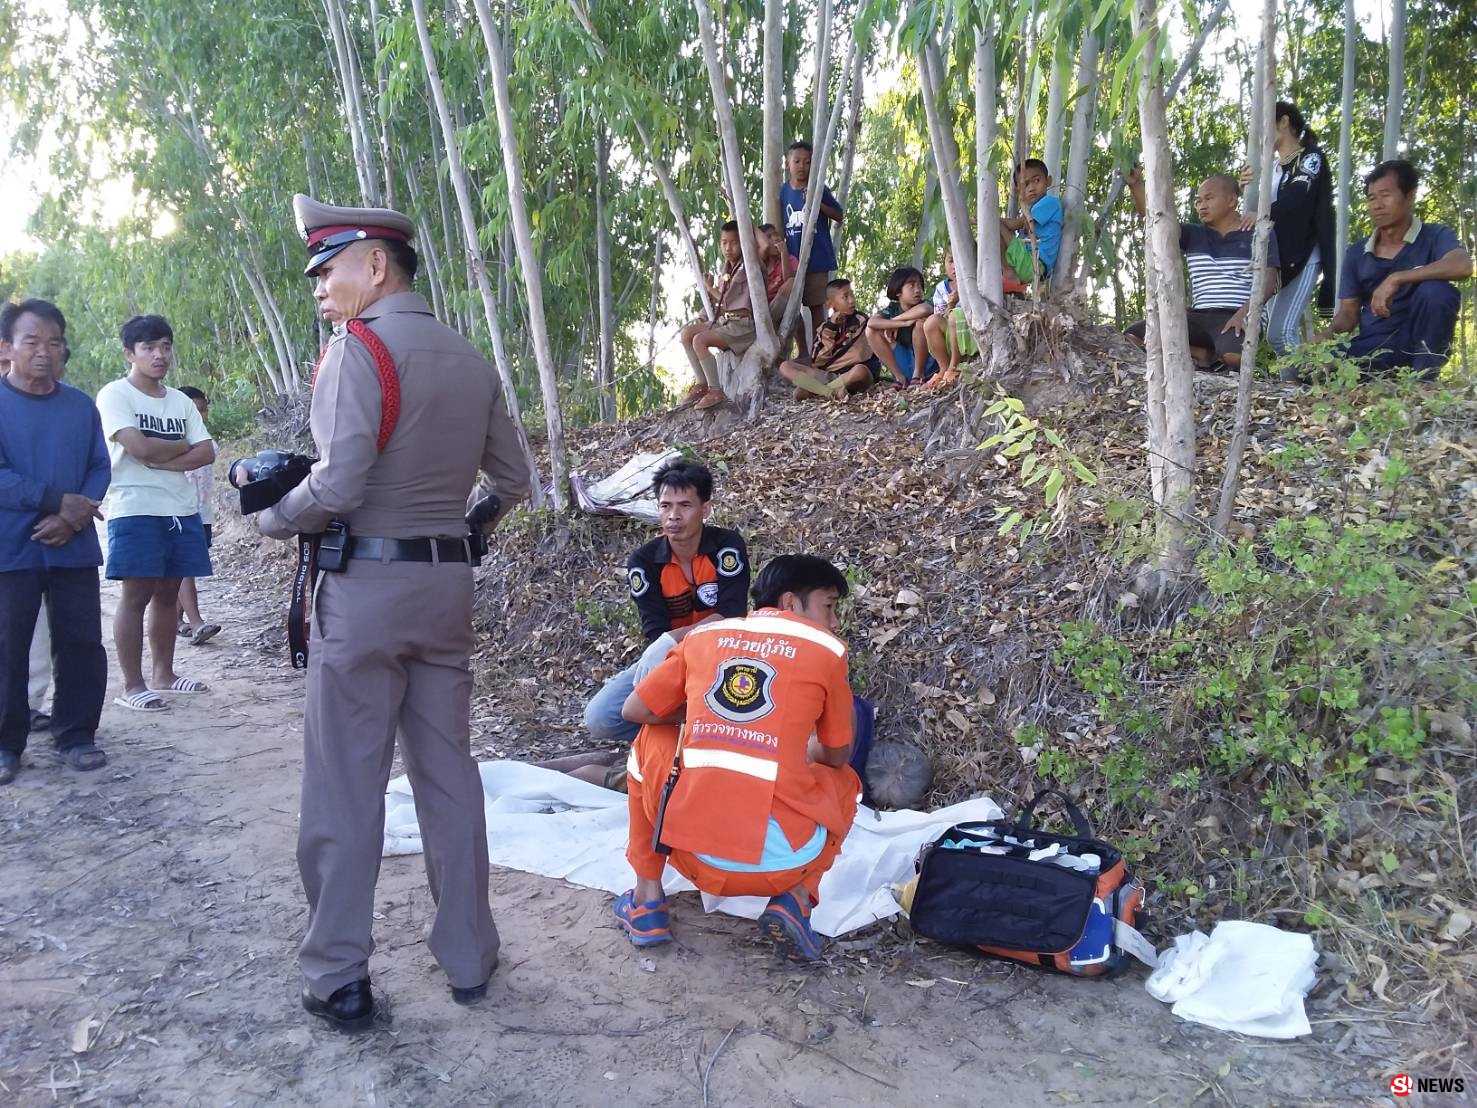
(1079, 821)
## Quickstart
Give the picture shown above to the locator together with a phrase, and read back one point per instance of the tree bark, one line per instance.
(353, 107)
(853, 137)
(745, 381)
(1395, 91)
(1170, 371)
(528, 260)
(987, 176)
(925, 216)
(381, 107)
(605, 368)
(1252, 192)
(774, 108)
(1074, 185)
(1265, 129)
(1343, 198)
(656, 299)
(951, 191)
(1056, 107)
(476, 263)
(1023, 59)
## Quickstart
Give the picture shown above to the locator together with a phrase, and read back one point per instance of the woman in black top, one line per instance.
(1302, 218)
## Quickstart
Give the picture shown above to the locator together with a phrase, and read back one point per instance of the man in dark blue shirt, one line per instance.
(822, 265)
(54, 471)
(1396, 288)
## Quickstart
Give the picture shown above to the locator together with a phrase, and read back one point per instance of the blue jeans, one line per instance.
(603, 713)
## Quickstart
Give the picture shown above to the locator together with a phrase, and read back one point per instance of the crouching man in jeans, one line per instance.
(755, 718)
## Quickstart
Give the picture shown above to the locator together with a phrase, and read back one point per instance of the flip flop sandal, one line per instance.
(185, 685)
(204, 633)
(83, 758)
(145, 701)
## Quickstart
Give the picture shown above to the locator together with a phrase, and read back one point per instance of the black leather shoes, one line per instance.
(350, 1008)
(472, 993)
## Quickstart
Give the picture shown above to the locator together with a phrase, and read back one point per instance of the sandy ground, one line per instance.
(149, 916)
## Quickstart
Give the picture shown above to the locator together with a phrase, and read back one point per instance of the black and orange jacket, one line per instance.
(667, 600)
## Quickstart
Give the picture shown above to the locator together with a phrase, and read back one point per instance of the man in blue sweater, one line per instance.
(54, 471)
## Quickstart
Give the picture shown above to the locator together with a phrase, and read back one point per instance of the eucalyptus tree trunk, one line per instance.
(528, 260)
(605, 367)
(1074, 185)
(1395, 90)
(925, 217)
(352, 105)
(823, 140)
(1265, 129)
(1023, 60)
(273, 372)
(476, 262)
(853, 136)
(1342, 198)
(1192, 55)
(1056, 107)
(951, 191)
(1170, 373)
(660, 168)
(1252, 191)
(746, 379)
(656, 300)
(382, 107)
(987, 176)
(774, 108)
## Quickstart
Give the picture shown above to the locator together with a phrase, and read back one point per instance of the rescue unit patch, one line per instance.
(1311, 164)
(743, 691)
(729, 562)
(639, 583)
(707, 593)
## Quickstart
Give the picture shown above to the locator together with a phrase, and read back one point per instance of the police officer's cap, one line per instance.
(327, 230)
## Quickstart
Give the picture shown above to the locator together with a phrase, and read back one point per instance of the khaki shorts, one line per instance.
(736, 331)
(815, 287)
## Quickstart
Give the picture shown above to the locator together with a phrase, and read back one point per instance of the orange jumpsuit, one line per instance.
(756, 690)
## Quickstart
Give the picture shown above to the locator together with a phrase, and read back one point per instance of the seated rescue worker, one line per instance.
(1396, 288)
(689, 574)
(750, 721)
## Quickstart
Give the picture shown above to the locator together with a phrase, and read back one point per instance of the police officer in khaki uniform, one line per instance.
(392, 633)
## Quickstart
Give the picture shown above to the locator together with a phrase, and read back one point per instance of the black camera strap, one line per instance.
(657, 845)
(300, 611)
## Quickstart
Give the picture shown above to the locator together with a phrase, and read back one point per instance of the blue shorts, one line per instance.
(157, 546)
(904, 356)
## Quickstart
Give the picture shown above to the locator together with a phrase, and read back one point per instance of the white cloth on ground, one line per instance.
(545, 822)
(1245, 977)
(627, 491)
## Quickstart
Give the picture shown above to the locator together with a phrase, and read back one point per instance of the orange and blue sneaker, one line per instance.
(645, 924)
(787, 924)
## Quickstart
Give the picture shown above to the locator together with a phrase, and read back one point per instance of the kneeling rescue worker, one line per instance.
(405, 412)
(739, 777)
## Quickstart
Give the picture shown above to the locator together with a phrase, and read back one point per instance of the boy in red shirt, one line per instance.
(764, 795)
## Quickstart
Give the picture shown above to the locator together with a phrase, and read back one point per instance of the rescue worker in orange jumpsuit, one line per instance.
(751, 721)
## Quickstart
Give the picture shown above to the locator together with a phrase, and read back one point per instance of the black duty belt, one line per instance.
(409, 550)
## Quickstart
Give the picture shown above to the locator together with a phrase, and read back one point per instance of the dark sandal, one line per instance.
(83, 758)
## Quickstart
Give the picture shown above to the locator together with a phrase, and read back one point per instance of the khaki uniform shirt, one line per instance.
(733, 292)
(452, 423)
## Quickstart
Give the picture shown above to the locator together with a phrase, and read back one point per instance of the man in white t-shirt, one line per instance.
(155, 537)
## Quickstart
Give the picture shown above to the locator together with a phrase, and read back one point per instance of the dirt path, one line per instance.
(159, 898)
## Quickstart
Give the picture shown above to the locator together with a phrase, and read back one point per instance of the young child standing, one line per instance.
(842, 349)
(1031, 240)
(191, 624)
(822, 264)
(896, 331)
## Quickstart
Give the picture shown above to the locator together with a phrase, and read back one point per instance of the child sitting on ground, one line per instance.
(779, 269)
(842, 361)
(896, 340)
(1031, 240)
(947, 330)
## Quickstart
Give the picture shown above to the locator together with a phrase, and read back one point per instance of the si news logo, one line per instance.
(1402, 1084)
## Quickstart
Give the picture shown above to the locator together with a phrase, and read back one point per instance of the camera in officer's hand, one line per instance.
(480, 517)
(267, 477)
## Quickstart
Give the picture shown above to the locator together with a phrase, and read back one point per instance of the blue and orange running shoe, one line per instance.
(645, 924)
(787, 925)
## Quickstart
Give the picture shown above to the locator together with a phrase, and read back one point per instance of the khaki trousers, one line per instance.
(390, 650)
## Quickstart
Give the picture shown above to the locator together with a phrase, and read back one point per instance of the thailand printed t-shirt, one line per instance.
(756, 689)
(822, 250)
(138, 490)
(1220, 265)
(1364, 270)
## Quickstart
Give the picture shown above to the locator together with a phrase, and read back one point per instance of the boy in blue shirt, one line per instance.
(54, 471)
(1031, 240)
(822, 264)
(1396, 288)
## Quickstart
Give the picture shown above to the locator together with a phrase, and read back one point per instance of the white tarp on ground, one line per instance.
(627, 491)
(545, 822)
